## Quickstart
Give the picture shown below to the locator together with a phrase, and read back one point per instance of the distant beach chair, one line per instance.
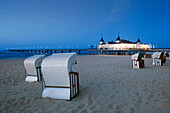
(164, 57)
(60, 81)
(167, 54)
(33, 68)
(158, 58)
(137, 61)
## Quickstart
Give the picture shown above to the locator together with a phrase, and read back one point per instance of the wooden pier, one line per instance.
(42, 51)
(91, 51)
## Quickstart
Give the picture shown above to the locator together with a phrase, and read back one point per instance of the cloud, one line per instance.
(36, 17)
(51, 20)
(108, 19)
(119, 8)
(28, 15)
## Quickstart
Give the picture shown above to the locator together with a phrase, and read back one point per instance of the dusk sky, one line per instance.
(79, 23)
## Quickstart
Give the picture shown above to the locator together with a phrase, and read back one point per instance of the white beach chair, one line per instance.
(59, 79)
(137, 61)
(33, 68)
(158, 58)
(164, 57)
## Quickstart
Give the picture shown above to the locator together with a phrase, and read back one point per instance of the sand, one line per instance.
(107, 84)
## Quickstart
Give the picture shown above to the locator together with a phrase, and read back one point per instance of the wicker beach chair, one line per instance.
(158, 58)
(60, 81)
(33, 68)
(137, 61)
(164, 57)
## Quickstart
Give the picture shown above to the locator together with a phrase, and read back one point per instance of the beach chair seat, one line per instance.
(33, 68)
(137, 61)
(60, 81)
(158, 62)
(158, 58)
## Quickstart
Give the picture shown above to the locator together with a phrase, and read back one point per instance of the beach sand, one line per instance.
(107, 84)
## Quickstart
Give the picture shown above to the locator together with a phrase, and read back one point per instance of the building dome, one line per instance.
(138, 41)
(101, 40)
(118, 39)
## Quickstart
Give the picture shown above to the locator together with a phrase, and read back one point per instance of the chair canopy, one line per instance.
(157, 54)
(56, 68)
(32, 63)
(137, 56)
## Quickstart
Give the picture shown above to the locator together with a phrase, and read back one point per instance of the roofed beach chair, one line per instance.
(33, 68)
(167, 54)
(158, 58)
(60, 81)
(137, 61)
(164, 57)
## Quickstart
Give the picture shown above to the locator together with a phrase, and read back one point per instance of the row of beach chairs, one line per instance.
(58, 76)
(158, 59)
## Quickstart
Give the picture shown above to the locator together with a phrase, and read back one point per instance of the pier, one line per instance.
(91, 51)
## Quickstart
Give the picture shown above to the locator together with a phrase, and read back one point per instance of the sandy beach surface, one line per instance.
(108, 84)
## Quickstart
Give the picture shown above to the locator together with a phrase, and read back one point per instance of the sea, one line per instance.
(16, 55)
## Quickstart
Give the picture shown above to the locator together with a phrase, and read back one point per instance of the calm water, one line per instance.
(10, 55)
(15, 55)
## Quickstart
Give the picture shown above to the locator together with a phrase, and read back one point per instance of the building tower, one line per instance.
(118, 38)
(101, 40)
(138, 41)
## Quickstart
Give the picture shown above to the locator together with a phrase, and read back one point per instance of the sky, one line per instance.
(80, 23)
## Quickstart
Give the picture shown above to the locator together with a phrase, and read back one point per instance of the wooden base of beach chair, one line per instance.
(74, 83)
(62, 92)
(138, 63)
(33, 78)
(158, 62)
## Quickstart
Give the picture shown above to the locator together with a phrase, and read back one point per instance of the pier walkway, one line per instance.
(91, 51)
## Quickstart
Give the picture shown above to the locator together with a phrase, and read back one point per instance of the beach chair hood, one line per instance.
(137, 56)
(32, 63)
(56, 68)
(157, 55)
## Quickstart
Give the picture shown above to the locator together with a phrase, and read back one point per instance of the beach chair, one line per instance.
(158, 58)
(60, 81)
(137, 61)
(167, 54)
(164, 57)
(33, 68)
